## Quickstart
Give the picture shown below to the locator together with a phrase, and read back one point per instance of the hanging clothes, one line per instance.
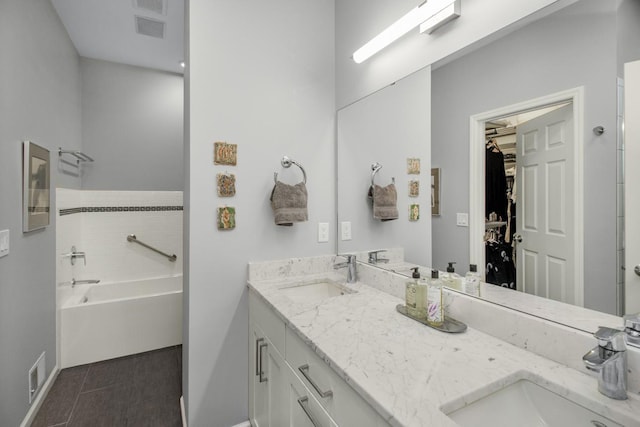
(500, 268)
(495, 183)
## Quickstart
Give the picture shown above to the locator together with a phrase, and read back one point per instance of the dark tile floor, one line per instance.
(132, 391)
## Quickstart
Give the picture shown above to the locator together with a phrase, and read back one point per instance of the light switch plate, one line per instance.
(345, 230)
(323, 232)
(4, 243)
(462, 219)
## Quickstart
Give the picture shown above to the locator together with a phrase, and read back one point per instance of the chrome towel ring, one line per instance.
(375, 168)
(286, 162)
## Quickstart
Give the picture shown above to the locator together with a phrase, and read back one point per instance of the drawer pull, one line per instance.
(261, 373)
(303, 402)
(304, 370)
(258, 341)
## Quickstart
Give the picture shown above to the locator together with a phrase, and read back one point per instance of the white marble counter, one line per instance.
(407, 371)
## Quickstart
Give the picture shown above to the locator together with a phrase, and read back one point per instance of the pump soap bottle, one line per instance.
(451, 279)
(471, 283)
(414, 295)
(435, 309)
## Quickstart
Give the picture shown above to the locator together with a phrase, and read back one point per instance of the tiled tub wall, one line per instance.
(98, 222)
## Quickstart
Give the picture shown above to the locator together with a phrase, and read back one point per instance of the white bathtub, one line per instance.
(108, 320)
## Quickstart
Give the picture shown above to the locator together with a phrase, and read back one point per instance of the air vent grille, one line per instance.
(155, 6)
(150, 27)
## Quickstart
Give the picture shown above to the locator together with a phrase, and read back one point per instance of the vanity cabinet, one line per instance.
(299, 389)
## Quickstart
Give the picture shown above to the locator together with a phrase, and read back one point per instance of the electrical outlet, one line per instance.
(462, 219)
(345, 230)
(4, 243)
(323, 232)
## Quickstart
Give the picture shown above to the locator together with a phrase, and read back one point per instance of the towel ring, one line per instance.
(286, 162)
(375, 168)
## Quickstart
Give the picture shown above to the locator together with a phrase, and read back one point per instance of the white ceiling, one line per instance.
(105, 29)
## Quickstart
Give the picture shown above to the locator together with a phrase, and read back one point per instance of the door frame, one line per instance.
(477, 173)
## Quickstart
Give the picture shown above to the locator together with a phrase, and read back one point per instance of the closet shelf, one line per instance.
(494, 224)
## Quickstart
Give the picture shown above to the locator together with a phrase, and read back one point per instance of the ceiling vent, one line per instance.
(150, 27)
(155, 6)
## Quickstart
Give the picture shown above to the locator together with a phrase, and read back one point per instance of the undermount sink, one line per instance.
(526, 404)
(314, 291)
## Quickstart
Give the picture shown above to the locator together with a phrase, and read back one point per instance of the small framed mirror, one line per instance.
(36, 196)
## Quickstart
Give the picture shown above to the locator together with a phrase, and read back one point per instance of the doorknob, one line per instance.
(636, 269)
(518, 239)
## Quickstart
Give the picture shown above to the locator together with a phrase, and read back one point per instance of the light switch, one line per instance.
(4, 243)
(345, 230)
(323, 232)
(462, 219)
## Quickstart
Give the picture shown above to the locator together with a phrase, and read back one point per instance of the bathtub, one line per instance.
(107, 320)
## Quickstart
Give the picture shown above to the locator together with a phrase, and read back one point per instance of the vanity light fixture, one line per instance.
(402, 26)
(449, 13)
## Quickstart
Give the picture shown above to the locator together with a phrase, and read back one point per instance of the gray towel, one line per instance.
(289, 203)
(384, 202)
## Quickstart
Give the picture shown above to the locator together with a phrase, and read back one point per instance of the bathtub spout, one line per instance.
(75, 282)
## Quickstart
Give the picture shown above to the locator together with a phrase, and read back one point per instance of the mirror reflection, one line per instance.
(527, 134)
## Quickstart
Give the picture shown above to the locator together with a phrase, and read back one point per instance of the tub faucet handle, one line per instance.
(75, 254)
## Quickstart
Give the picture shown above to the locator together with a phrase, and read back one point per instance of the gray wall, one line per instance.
(628, 33)
(132, 122)
(40, 87)
(373, 130)
(261, 75)
(575, 47)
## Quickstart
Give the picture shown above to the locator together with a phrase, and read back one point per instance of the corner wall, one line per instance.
(260, 75)
(40, 87)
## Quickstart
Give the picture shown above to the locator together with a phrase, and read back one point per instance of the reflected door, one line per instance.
(631, 187)
(544, 205)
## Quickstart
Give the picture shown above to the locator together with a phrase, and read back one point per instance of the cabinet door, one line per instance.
(257, 389)
(275, 377)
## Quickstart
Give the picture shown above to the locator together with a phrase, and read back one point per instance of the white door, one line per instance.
(544, 207)
(631, 187)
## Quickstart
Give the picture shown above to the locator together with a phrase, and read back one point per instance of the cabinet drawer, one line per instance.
(264, 317)
(305, 411)
(342, 403)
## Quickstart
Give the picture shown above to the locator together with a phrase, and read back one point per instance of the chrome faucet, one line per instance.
(352, 273)
(609, 360)
(373, 257)
(632, 329)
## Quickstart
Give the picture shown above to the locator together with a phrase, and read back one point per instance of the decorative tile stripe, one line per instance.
(120, 209)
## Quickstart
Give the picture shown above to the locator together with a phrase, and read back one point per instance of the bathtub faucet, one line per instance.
(76, 282)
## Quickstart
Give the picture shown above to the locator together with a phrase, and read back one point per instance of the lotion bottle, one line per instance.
(435, 309)
(471, 283)
(451, 279)
(414, 294)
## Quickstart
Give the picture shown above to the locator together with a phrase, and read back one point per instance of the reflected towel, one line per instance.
(289, 203)
(384, 202)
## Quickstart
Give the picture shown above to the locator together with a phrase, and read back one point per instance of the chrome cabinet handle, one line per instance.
(304, 370)
(258, 341)
(261, 371)
(303, 402)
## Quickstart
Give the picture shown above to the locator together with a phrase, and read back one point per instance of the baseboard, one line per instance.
(37, 403)
(183, 413)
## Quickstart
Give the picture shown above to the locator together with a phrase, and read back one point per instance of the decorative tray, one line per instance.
(450, 325)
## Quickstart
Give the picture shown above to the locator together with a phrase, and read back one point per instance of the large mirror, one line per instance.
(556, 83)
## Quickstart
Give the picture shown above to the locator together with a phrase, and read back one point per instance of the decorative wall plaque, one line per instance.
(413, 166)
(226, 184)
(414, 188)
(225, 154)
(414, 212)
(226, 218)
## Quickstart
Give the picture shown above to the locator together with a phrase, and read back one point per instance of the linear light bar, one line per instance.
(449, 13)
(401, 27)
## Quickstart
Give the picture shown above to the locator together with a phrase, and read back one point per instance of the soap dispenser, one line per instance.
(471, 282)
(414, 295)
(435, 309)
(451, 279)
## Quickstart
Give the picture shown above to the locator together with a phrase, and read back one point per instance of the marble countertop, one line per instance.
(408, 371)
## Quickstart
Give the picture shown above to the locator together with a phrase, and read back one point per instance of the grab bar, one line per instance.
(134, 239)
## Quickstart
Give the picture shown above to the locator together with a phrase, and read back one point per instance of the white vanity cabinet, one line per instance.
(299, 389)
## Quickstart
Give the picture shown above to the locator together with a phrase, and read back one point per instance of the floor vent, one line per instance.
(155, 6)
(150, 27)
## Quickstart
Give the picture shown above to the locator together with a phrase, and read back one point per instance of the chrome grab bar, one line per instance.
(134, 239)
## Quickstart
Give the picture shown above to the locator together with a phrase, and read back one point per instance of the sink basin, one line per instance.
(526, 404)
(314, 291)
